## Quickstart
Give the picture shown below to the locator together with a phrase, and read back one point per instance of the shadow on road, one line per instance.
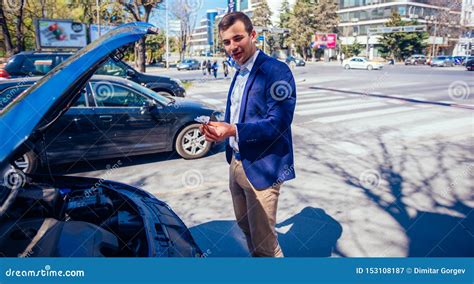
(310, 233)
(439, 174)
(127, 161)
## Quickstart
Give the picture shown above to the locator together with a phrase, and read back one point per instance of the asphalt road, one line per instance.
(384, 163)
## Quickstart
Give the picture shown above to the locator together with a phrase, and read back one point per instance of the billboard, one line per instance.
(60, 34)
(322, 40)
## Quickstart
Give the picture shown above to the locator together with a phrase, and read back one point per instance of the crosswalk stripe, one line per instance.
(320, 105)
(449, 126)
(310, 99)
(351, 116)
(335, 109)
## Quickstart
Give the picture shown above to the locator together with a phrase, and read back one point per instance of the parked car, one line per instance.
(120, 116)
(442, 61)
(61, 216)
(470, 65)
(189, 64)
(468, 58)
(297, 61)
(32, 63)
(416, 59)
(459, 60)
(361, 63)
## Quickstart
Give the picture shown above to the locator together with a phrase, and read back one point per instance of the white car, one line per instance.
(361, 63)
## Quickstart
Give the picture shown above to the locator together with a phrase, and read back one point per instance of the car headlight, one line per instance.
(178, 81)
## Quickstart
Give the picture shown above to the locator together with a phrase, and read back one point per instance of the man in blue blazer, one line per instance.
(257, 128)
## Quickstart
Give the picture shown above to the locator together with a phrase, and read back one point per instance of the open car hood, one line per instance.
(39, 106)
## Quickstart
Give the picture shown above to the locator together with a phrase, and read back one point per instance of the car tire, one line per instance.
(164, 93)
(347, 67)
(370, 67)
(415, 63)
(191, 144)
(28, 163)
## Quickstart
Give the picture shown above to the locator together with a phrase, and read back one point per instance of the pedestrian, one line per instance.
(215, 66)
(204, 67)
(257, 130)
(225, 68)
(209, 67)
(342, 57)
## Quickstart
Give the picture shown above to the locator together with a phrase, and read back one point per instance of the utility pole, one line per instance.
(98, 15)
(167, 37)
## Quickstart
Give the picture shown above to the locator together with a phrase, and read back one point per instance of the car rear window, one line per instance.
(38, 65)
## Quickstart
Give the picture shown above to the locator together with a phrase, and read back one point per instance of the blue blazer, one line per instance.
(264, 126)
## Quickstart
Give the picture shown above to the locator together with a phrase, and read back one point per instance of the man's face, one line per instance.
(238, 43)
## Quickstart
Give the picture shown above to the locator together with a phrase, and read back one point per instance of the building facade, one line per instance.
(357, 16)
(203, 38)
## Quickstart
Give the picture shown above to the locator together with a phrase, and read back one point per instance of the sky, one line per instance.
(159, 16)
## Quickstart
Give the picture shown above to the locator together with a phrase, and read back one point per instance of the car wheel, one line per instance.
(347, 67)
(164, 93)
(28, 163)
(191, 143)
(415, 63)
(370, 67)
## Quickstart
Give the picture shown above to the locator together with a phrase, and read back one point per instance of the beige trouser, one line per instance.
(255, 211)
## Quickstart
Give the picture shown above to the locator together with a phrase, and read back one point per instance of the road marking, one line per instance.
(444, 127)
(335, 109)
(351, 102)
(351, 116)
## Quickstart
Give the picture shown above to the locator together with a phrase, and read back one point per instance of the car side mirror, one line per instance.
(130, 73)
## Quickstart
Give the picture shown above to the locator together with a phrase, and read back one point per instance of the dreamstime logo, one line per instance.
(14, 179)
(11, 5)
(193, 5)
(369, 179)
(103, 90)
(459, 90)
(192, 179)
(281, 90)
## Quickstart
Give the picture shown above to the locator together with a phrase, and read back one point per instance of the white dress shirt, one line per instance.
(236, 96)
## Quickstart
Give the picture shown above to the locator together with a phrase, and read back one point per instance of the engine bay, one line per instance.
(64, 222)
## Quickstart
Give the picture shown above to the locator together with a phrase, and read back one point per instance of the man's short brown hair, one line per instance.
(231, 18)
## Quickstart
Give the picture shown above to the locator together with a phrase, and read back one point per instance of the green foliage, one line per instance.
(308, 18)
(402, 45)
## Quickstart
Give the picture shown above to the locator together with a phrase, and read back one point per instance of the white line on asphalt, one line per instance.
(445, 128)
(321, 105)
(351, 107)
(337, 118)
(317, 99)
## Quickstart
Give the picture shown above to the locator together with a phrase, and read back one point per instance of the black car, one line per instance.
(61, 216)
(32, 63)
(470, 65)
(113, 117)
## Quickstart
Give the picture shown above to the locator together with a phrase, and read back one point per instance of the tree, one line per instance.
(400, 45)
(5, 32)
(140, 11)
(183, 12)
(285, 14)
(262, 15)
(307, 19)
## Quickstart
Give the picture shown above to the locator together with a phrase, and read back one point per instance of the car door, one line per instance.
(74, 135)
(126, 122)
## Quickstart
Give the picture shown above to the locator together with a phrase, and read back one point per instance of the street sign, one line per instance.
(261, 38)
(402, 29)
